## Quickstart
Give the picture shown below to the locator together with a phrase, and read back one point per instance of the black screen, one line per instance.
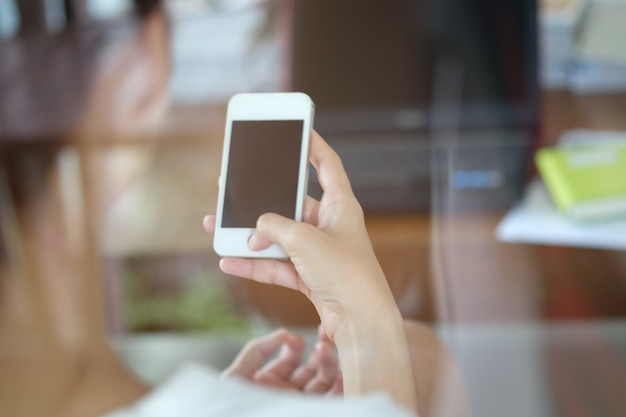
(386, 65)
(262, 171)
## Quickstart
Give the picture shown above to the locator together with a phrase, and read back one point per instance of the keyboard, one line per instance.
(398, 174)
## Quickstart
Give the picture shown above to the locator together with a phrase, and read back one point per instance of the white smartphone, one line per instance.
(264, 167)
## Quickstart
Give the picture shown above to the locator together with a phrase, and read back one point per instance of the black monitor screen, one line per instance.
(375, 65)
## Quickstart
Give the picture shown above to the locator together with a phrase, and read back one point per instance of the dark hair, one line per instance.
(145, 7)
(27, 154)
(24, 170)
(4, 202)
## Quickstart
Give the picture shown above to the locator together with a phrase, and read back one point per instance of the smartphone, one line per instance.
(264, 167)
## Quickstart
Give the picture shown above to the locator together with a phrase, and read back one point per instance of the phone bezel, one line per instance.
(233, 241)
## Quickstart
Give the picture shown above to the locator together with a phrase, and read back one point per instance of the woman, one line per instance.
(54, 353)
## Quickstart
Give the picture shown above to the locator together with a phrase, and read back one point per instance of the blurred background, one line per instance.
(439, 109)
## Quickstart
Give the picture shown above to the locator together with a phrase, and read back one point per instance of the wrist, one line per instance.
(374, 354)
(362, 328)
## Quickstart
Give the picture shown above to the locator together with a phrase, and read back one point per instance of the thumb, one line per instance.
(288, 233)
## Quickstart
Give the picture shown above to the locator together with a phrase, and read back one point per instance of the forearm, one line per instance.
(374, 354)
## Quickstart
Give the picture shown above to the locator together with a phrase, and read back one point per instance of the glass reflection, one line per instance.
(122, 111)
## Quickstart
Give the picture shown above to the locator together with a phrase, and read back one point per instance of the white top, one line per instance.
(197, 391)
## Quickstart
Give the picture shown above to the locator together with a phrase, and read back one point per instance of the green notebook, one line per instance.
(586, 182)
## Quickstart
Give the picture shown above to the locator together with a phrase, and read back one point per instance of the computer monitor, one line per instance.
(377, 65)
(421, 93)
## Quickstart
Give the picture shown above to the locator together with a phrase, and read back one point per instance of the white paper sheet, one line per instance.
(536, 220)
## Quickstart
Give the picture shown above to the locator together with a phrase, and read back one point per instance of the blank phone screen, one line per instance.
(262, 173)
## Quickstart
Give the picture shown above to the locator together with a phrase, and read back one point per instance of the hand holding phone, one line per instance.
(264, 167)
(333, 263)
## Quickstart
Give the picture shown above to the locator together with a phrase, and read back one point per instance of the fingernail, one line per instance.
(253, 241)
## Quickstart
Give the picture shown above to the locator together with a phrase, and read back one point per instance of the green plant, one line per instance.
(200, 302)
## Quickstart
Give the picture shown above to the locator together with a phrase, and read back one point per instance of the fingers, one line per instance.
(270, 380)
(277, 372)
(330, 172)
(319, 374)
(256, 352)
(329, 367)
(310, 211)
(322, 336)
(287, 361)
(268, 271)
(287, 233)
(262, 270)
(258, 242)
(309, 215)
(332, 178)
(337, 388)
(208, 222)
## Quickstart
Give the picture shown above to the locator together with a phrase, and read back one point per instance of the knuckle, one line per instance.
(337, 159)
(297, 235)
(250, 346)
(348, 206)
(357, 210)
(262, 221)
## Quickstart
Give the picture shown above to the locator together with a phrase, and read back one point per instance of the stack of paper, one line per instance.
(586, 181)
(536, 219)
